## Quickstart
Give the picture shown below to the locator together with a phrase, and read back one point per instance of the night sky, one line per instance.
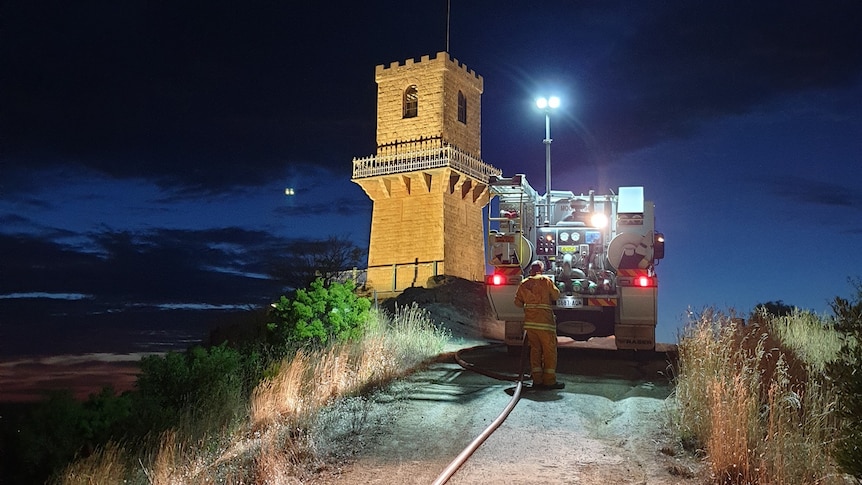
(145, 146)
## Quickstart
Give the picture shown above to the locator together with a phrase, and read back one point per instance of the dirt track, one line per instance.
(608, 426)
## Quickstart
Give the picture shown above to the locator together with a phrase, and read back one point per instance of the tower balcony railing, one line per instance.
(424, 159)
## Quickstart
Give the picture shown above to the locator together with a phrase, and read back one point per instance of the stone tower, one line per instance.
(427, 181)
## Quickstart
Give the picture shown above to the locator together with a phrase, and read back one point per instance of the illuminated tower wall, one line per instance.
(427, 181)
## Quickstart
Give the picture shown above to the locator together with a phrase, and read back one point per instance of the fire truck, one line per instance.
(600, 250)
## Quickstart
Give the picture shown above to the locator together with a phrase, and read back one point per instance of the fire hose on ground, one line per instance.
(465, 455)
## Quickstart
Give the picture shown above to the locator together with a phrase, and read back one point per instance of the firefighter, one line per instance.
(535, 295)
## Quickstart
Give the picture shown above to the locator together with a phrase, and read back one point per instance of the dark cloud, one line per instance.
(339, 206)
(201, 95)
(13, 220)
(116, 293)
(809, 191)
(636, 74)
(696, 61)
(153, 267)
(224, 94)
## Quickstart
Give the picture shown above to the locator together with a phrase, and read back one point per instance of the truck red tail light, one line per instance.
(637, 280)
(496, 279)
(502, 279)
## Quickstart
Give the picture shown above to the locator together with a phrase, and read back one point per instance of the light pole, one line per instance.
(547, 104)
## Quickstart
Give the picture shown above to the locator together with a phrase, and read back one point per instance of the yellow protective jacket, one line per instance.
(535, 295)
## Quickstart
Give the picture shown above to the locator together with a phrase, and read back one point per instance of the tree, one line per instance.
(765, 312)
(305, 261)
(848, 381)
(775, 308)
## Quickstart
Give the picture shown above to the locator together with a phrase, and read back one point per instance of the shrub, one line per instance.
(203, 387)
(105, 417)
(60, 428)
(319, 314)
(848, 382)
(50, 436)
(811, 337)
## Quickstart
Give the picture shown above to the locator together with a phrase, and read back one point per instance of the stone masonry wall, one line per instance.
(422, 225)
(438, 81)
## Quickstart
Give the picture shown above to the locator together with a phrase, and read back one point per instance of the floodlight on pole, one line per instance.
(547, 104)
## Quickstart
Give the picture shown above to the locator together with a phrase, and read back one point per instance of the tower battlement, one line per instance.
(426, 59)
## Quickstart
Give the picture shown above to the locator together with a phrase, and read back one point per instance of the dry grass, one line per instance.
(276, 445)
(286, 407)
(284, 455)
(103, 466)
(307, 382)
(285, 395)
(758, 406)
(729, 441)
(180, 461)
(704, 355)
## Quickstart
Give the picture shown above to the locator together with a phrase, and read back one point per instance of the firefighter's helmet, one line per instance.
(537, 267)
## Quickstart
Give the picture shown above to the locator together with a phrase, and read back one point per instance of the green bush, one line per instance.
(49, 437)
(202, 388)
(60, 428)
(848, 381)
(105, 417)
(317, 315)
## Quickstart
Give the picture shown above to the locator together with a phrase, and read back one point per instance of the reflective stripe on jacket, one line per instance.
(535, 295)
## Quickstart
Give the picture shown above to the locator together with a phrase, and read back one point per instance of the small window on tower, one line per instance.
(462, 108)
(411, 102)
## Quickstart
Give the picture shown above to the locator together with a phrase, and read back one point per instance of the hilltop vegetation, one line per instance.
(777, 400)
(240, 411)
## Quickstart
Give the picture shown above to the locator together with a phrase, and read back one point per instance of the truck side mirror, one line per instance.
(658, 246)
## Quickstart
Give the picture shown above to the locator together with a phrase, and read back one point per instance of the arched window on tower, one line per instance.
(411, 102)
(462, 108)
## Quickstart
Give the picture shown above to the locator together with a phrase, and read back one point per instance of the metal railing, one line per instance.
(356, 275)
(445, 156)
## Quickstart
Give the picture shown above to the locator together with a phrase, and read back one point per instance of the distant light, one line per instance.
(554, 102)
(288, 191)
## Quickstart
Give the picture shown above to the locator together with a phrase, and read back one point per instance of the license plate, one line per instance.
(570, 302)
